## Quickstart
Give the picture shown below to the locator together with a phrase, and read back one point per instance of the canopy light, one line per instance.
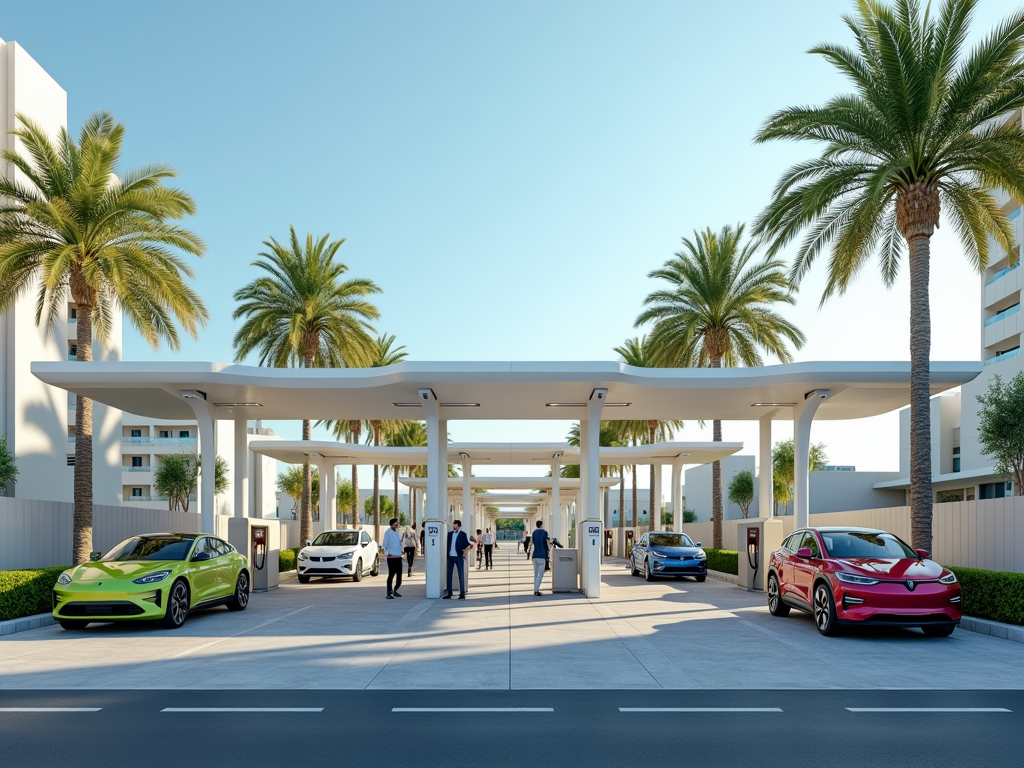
(407, 405)
(193, 394)
(565, 405)
(460, 405)
(617, 405)
(769, 405)
(239, 405)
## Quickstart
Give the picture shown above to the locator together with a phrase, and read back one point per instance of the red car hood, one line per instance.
(895, 568)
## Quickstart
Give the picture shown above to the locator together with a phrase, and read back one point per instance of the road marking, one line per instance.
(472, 709)
(50, 709)
(927, 709)
(204, 646)
(699, 709)
(242, 709)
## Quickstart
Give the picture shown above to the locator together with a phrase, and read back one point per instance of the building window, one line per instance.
(74, 314)
(956, 464)
(183, 433)
(956, 450)
(165, 433)
(136, 491)
(73, 352)
(136, 461)
(995, 490)
(71, 460)
(136, 433)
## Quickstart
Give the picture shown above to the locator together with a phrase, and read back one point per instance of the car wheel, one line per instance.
(633, 570)
(73, 624)
(702, 578)
(376, 567)
(932, 630)
(648, 576)
(303, 579)
(177, 606)
(825, 610)
(357, 574)
(241, 597)
(775, 605)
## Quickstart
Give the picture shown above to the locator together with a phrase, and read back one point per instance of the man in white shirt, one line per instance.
(393, 553)
(488, 539)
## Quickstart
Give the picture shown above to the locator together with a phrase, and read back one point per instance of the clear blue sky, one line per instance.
(508, 173)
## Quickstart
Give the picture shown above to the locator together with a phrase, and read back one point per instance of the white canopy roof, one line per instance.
(499, 390)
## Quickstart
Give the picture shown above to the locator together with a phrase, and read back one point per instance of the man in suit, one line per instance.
(458, 545)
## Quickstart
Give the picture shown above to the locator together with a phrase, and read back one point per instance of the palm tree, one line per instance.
(717, 311)
(301, 312)
(384, 353)
(923, 130)
(75, 226)
(640, 353)
(406, 434)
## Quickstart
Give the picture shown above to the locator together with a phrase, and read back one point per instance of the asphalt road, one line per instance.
(565, 728)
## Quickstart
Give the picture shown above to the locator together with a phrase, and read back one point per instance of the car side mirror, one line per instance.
(309, 543)
(94, 556)
(924, 554)
(804, 552)
(198, 557)
(698, 544)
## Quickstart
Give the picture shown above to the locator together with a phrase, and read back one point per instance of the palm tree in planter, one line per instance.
(300, 312)
(924, 130)
(717, 311)
(74, 226)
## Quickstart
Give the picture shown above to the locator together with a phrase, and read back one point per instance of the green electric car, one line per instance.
(158, 576)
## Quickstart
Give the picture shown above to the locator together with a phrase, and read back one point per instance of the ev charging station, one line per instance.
(758, 538)
(435, 557)
(589, 545)
(260, 541)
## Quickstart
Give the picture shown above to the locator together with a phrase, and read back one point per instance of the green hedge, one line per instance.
(993, 595)
(723, 561)
(286, 559)
(25, 593)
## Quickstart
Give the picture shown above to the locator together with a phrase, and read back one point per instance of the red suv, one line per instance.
(861, 576)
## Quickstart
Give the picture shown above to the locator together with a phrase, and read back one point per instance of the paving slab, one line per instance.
(335, 634)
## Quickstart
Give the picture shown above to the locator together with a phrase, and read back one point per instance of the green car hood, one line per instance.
(131, 569)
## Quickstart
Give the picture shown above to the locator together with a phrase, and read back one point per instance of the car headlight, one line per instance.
(850, 578)
(64, 579)
(949, 578)
(150, 578)
(303, 555)
(346, 555)
(702, 555)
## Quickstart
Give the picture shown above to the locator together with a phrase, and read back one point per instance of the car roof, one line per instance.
(183, 534)
(851, 528)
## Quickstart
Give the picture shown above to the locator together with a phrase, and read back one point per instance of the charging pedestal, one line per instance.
(434, 556)
(589, 540)
(757, 539)
(565, 570)
(260, 541)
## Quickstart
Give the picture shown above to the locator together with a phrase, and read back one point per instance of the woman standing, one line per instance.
(409, 546)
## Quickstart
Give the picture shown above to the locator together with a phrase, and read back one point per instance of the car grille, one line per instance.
(116, 608)
(321, 570)
(930, 618)
(323, 559)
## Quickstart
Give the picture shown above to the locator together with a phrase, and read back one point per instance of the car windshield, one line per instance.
(337, 539)
(670, 540)
(150, 548)
(864, 544)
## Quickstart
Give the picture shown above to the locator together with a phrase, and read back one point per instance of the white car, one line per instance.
(339, 553)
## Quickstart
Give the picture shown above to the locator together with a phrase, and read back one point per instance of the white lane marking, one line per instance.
(699, 709)
(236, 634)
(242, 709)
(50, 709)
(927, 709)
(472, 709)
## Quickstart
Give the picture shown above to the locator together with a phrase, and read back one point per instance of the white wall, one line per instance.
(698, 487)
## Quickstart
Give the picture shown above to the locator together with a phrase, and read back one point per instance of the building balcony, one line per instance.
(159, 441)
(137, 469)
(1003, 356)
(1004, 314)
(1001, 273)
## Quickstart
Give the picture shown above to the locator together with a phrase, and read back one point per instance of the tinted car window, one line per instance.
(366, 538)
(643, 540)
(810, 543)
(337, 539)
(670, 540)
(150, 548)
(792, 542)
(865, 544)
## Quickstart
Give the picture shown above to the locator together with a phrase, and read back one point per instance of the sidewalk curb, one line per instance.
(994, 628)
(25, 623)
(726, 577)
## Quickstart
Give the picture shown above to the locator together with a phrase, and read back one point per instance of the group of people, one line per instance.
(396, 546)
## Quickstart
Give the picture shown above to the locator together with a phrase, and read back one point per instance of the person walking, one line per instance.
(540, 555)
(479, 548)
(488, 540)
(458, 545)
(526, 544)
(409, 546)
(393, 554)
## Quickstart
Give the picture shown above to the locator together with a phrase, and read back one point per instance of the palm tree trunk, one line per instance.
(355, 496)
(412, 505)
(82, 526)
(653, 517)
(716, 478)
(398, 508)
(622, 499)
(376, 490)
(920, 394)
(633, 518)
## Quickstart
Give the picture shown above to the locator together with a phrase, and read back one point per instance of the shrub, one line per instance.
(993, 595)
(25, 593)
(723, 561)
(286, 559)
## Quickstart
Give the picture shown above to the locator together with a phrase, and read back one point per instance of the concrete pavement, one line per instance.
(340, 635)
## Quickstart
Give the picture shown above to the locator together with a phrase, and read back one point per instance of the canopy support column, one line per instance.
(241, 468)
(803, 416)
(436, 502)
(206, 419)
(557, 528)
(590, 476)
(677, 493)
(765, 480)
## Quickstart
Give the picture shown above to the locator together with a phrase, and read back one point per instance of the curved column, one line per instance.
(803, 416)
(765, 488)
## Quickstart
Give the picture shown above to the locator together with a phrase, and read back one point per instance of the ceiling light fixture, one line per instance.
(460, 405)
(239, 405)
(193, 394)
(565, 405)
(770, 405)
(617, 405)
(406, 405)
